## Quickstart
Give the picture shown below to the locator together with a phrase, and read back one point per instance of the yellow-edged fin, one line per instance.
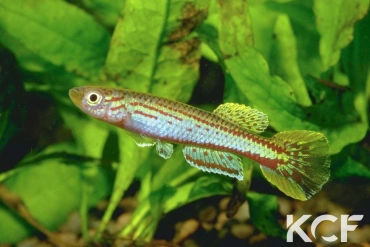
(164, 149)
(303, 166)
(244, 116)
(214, 161)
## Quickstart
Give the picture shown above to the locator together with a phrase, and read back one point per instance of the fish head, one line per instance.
(105, 104)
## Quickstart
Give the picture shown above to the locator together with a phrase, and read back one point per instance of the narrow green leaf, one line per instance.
(156, 190)
(262, 20)
(356, 59)
(307, 38)
(57, 32)
(177, 173)
(12, 112)
(173, 171)
(131, 157)
(336, 26)
(284, 60)
(170, 198)
(171, 187)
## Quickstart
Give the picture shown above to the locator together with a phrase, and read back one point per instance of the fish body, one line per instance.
(297, 162)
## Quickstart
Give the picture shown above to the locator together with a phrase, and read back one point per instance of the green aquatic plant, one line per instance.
(303, 63)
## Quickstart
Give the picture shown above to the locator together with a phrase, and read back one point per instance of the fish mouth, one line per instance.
(76, 95)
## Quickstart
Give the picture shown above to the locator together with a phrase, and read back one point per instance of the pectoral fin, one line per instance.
(214, 161)
(164, 149)
(140, 140)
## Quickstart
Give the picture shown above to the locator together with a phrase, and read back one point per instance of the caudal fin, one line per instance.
(303, 166)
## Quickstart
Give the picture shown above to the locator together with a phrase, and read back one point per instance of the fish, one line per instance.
(297, 162)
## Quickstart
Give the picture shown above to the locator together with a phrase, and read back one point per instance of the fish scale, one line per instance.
(185, 130)
(297, 161)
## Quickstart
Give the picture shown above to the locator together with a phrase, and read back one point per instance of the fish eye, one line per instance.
(93, 98)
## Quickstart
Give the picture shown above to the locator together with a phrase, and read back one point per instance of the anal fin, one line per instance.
(214, 161)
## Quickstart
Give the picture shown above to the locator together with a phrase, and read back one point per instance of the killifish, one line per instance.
(297, 162)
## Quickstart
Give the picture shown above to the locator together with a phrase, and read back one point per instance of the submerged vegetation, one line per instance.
(305, 63)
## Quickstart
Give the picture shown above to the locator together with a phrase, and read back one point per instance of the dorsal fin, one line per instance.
(243, 116)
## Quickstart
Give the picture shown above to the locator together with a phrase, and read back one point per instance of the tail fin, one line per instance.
(303, 166)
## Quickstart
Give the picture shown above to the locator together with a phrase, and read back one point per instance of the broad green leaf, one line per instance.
(272, 96)
(152, 50)
(208, 186)
(352, 162)
(26, 58)
(51, 189)
(335, 21)
(132, 56)
(55, 31)
(348, 167)
(106, 11)
(249, 81)
(233, 14)
(264, 212)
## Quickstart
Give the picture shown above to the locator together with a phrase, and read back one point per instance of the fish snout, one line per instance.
(76, 95)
